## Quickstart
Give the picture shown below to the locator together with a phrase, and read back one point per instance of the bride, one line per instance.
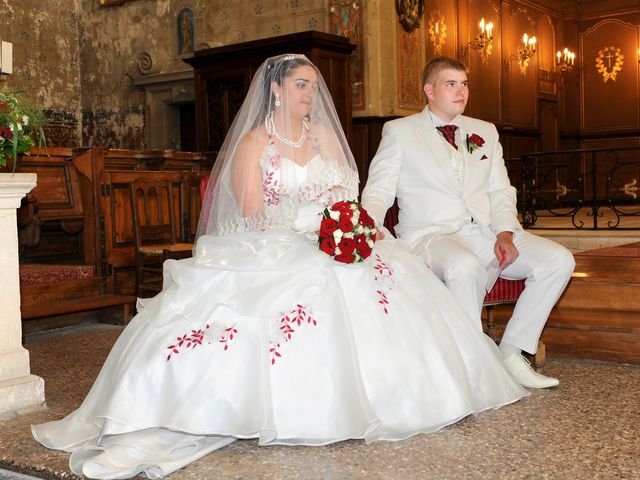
(262, 335)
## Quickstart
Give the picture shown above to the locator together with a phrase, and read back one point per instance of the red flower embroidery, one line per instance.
(383, 278)
(297, 317)
(271, 189)
(197, 337)
(384, 301)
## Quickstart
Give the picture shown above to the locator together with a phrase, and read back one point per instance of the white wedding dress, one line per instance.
(264, 336)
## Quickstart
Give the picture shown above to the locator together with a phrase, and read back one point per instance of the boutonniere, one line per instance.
(474, 141)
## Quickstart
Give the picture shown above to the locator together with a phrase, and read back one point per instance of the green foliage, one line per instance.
(20, 121)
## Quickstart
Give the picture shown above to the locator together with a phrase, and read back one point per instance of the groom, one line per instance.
(458, 210)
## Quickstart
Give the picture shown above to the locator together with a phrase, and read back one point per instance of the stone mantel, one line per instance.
(19, 390)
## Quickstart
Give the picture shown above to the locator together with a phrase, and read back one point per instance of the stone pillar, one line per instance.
(19, 390)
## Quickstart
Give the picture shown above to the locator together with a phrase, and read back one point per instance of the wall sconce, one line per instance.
(525, 52)
(565, 60)
(484, 41)
(485, 38)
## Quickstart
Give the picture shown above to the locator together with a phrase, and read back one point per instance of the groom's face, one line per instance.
(447, 93)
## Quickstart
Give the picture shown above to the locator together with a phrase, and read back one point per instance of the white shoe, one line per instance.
(522, 371)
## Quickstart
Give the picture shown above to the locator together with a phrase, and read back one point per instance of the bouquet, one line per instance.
(347, 232)
(19, 120)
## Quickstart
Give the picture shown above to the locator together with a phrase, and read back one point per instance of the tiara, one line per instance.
(292, 56)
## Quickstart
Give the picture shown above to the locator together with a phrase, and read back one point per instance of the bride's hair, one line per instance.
(276, 70)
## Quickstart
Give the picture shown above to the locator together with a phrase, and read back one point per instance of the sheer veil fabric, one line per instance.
(261, 335)
(289, 110)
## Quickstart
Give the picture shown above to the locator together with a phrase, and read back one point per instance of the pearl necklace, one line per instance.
(271, 130)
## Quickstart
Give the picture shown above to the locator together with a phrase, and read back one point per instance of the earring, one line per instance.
(277, 103)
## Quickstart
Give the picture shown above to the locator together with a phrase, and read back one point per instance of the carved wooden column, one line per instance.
(19, 390)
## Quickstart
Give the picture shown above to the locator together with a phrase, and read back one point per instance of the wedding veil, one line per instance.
(255, 182)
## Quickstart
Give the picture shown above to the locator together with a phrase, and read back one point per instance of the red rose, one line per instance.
(345, 224)
(341, 207)
(328, 245)
(347, 245)
(344, 257)
(477, 140)
(7, 133)
(346, 214)
(327, 227)
(362, 247)
(4, 106)
(365, 219)
(364, 250)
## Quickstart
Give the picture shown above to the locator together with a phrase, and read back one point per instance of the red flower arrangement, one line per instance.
(347, 232)
(474, 141)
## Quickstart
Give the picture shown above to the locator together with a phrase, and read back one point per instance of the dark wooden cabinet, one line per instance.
(223, 75)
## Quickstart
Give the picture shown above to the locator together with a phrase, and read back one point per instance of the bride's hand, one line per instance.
(379, 234)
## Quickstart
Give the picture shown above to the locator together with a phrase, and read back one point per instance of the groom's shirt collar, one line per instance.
(438, 122)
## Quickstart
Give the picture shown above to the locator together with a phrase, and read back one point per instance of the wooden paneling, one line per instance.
(443, 39)
(610, 103)
(546, 33)
(548, 126)
(60, 206)
(485, 66)
(521, 97)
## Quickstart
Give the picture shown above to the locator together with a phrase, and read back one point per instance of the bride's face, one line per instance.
(297, 91)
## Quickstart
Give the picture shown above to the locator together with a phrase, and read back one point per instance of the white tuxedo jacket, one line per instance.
(413, 164)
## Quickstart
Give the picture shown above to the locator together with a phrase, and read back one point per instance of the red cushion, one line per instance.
(504, 291)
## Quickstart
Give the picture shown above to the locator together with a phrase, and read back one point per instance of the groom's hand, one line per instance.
(504, 249)
(379, 234)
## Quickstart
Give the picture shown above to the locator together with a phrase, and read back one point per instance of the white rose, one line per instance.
(334, 215)
(25, 120)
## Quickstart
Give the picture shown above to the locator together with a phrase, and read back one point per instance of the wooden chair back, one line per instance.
(153, 214)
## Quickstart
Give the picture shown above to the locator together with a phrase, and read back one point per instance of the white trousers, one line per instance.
(461, 261)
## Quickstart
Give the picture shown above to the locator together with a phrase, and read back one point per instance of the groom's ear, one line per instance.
(428, 91)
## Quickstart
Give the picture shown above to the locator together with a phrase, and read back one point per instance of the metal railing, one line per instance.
(579, 187)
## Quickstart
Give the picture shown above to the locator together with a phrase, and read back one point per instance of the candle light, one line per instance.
(490, 30)
(6, 57)
(558, 55)
(482, 26)
(525, 39)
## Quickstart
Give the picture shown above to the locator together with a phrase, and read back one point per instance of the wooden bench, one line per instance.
(79, 216)
(61, 282)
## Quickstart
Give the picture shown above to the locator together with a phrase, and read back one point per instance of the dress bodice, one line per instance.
(306, 189)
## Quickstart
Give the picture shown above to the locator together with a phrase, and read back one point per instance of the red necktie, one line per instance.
(449, 132)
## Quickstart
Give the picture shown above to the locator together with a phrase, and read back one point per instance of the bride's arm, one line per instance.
(246, 175)
(334, 151)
